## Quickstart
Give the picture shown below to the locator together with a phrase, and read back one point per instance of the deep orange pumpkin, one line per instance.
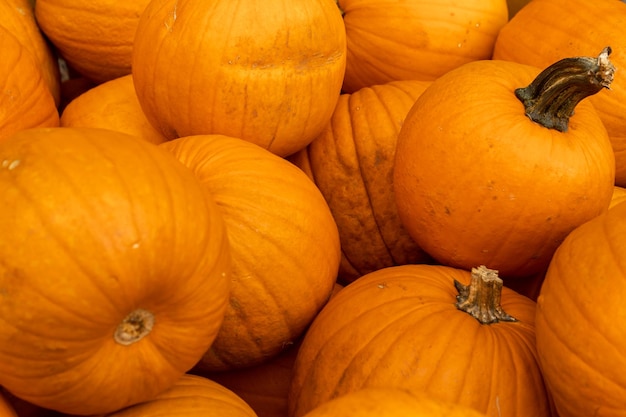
(6, 409)
(581, 342)
(478, 182)
(352, 163)
(619, 195)
(284, 244)
(398, 327)
(261, 70)
(115, 269)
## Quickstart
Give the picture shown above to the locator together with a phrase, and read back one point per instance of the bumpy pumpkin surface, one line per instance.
(115, 269)
(399, 327)
(284, 244)
(260, 70)
(581, 340)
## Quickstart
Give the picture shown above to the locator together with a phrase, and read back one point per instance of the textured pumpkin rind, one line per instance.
(108, 217)
(566, 36)
(284, 244)
(477, 182)
(399, 327)
(352, 162)
(272, 78)
(580, 340)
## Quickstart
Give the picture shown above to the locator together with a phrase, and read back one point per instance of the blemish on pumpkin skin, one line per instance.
(10, 165)
(171, 19)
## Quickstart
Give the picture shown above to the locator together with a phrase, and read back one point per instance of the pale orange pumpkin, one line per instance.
(115, 269)
(260, 70)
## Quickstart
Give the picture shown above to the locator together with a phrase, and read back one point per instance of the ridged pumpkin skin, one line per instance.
(191, 396)
(398, 327)
(101, 231)
(582, 28)
(390, 402)
(111, 105)
(26, 101)
(479, 183)
(619, 195)
(580, 315)
(284, 244)
(393, 40)
(95, 37)
(351, 162)
(272, 77)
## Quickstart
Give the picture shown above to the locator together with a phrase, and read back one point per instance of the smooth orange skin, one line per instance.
(580, 316)
(393, 40)
(111, 105)
(398, 327)
(96, 224)
(284, 243)
(571, 35)
(255, 70)
(351, 162)
(478, 183)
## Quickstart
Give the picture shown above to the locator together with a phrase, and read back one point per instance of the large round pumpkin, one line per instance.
(581, 27)
(284, 244)
(393, 40)
(115, 269)
(351, 162)
(478, 181)
(261, 70)
(581, 341)
(405, 327)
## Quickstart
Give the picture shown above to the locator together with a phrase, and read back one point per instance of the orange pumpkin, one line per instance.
(619, 195)
(390, 402)
(351, 162)
(580, 312)
(407, 327)
(6, 409)
(26, 101)
(478, 181)
(272, 78)
(393, 40)
(111, 105)
(571, 35)
(191, 396)
(284, 245)
(95, 37)
(115, 269)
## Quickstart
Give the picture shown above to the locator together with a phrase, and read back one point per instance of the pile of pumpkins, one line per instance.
(315, 208)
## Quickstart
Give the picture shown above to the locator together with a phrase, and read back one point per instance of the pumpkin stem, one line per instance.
(134, 327)
(551, 98)
(481, 298)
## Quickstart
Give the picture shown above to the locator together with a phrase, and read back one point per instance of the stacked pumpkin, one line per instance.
(175, 233)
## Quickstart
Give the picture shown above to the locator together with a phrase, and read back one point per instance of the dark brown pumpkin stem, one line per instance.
(481, 298)
(551, 98)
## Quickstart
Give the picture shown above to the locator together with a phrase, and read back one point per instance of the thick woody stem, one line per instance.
(481, 298)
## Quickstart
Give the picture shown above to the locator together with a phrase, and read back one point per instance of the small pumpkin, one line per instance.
(393, 40)
(115, 269)
(424, 328)
(284, 244)
(111, 105)
(351, 162)
(491, 169)
(272, 78)
(580, 315)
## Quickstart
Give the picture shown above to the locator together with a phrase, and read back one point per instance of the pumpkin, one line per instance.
(191, 396)
(272, 78)
(580, 312)
(390, 402)
(619, 195)
(6, 409)
(111, 105)
(18, 18)
(491, 170)
(571, 35)
(389, 40)
(424, 328)
(26, 101)
(284, 244)
(351, 162)
(115, 269)
(95, 37)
